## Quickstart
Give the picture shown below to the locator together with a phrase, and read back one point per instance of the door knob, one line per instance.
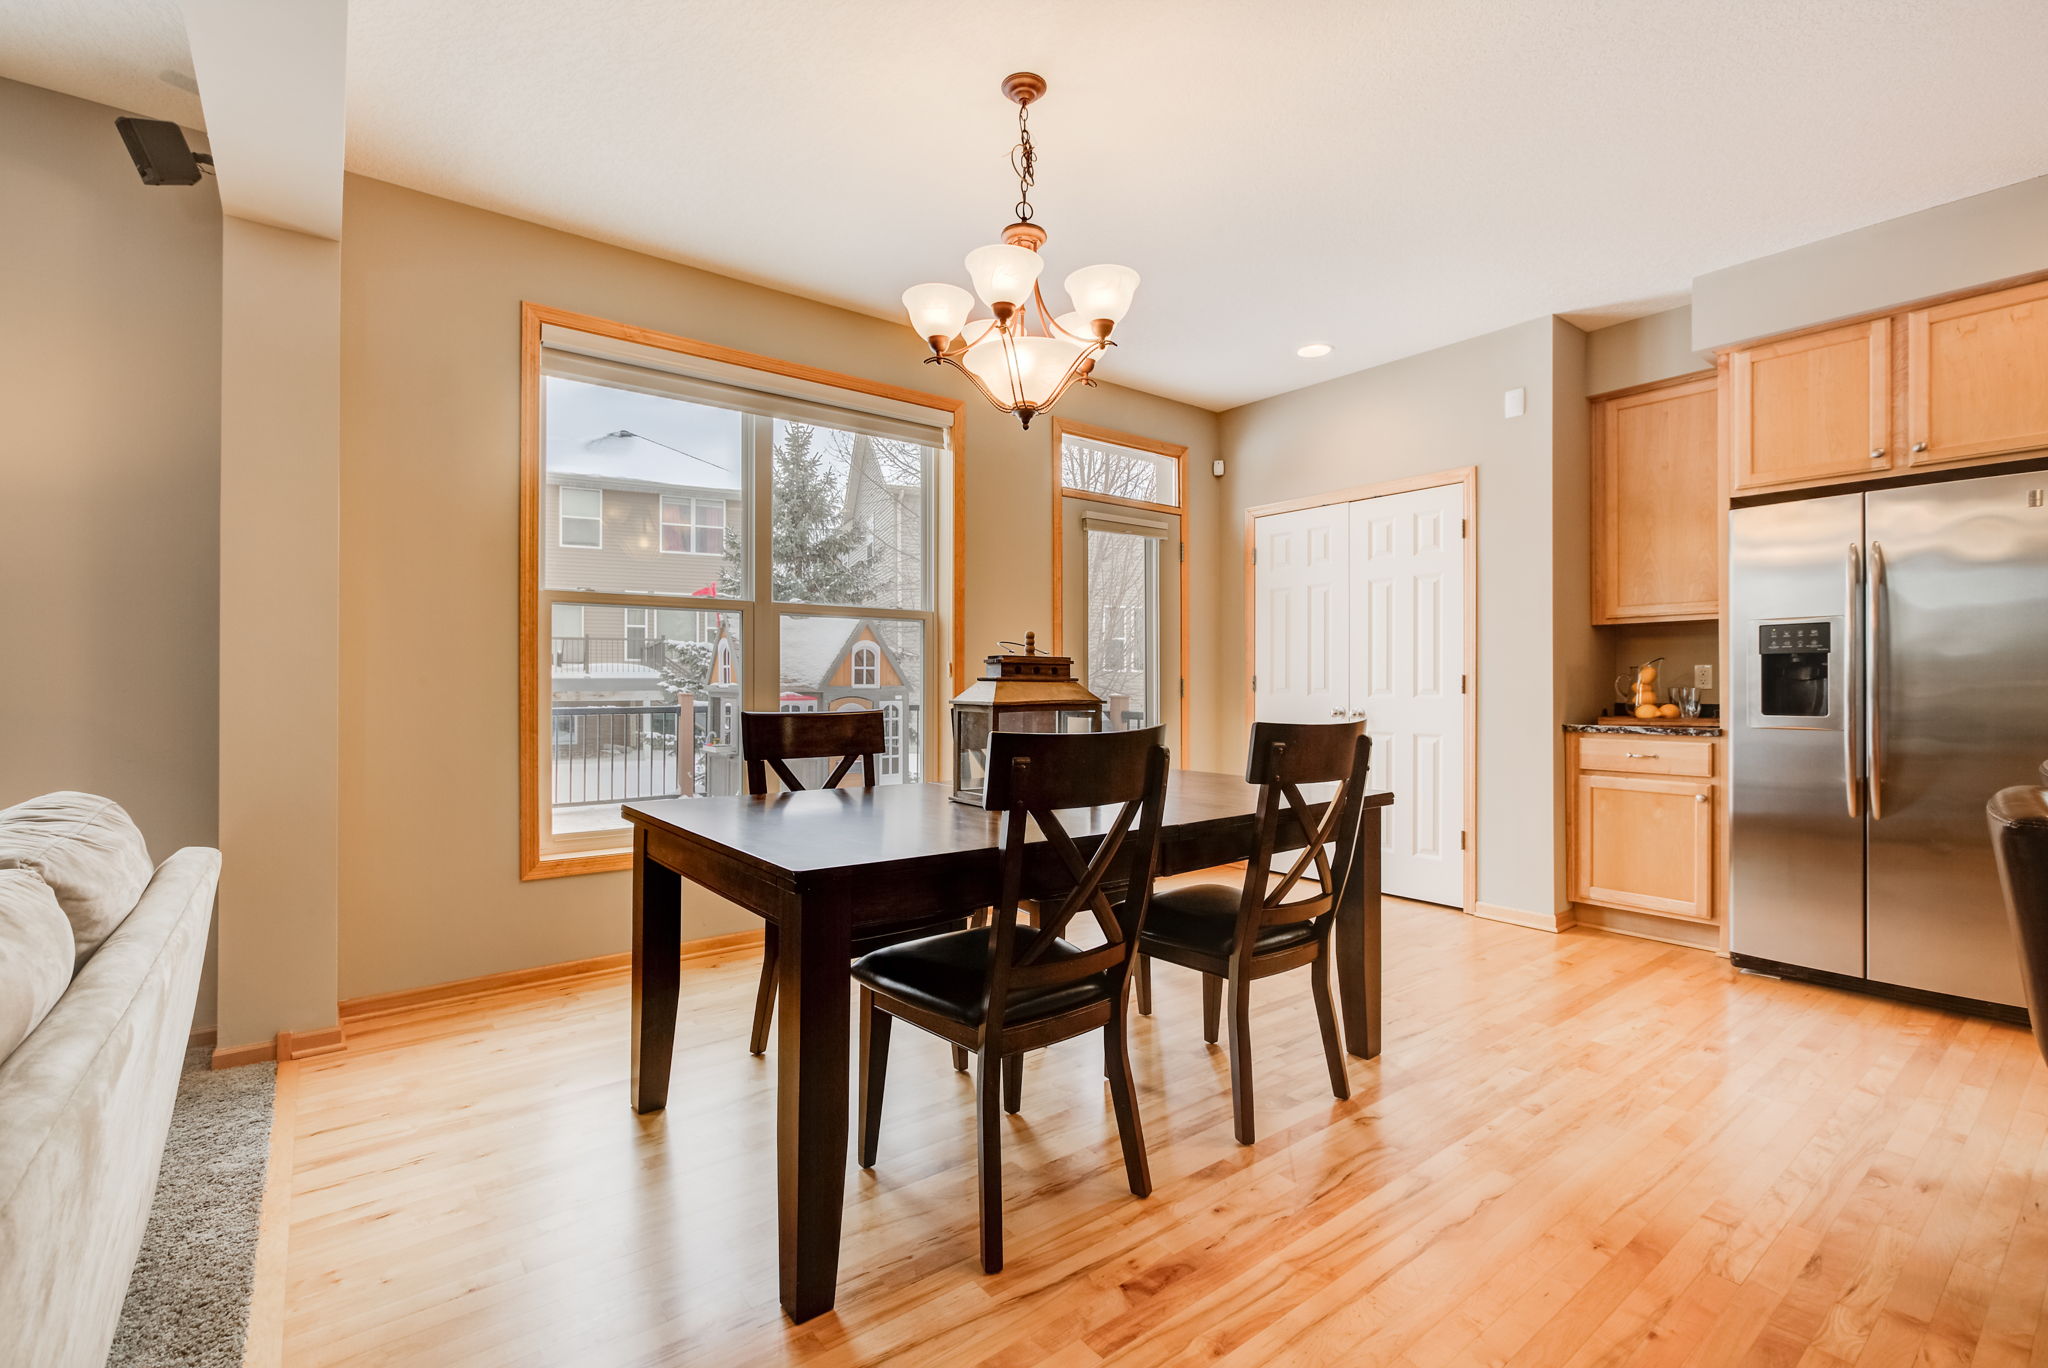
(1336, 712)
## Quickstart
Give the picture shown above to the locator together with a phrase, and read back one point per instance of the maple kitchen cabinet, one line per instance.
(1977, 377)
(1643, 823)
(1656, 504)
(1812, 409)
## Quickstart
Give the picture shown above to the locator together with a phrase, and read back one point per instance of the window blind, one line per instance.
(630, 365)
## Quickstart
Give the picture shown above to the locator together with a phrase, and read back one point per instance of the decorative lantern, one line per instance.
(1031, 692)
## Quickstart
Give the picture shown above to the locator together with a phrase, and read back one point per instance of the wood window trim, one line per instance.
(532, 757)
(1468, 477)
(1063, 429)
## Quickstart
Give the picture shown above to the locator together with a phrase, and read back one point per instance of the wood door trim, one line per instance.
(1466, 476)
(1651, 386)
(1059, 589)
(532, 759)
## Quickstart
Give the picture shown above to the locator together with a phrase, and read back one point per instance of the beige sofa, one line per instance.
(99, 968)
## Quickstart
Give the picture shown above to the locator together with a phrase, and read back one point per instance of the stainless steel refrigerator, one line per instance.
(1889, 667)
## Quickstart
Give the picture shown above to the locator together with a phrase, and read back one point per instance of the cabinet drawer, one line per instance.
(1689, 756)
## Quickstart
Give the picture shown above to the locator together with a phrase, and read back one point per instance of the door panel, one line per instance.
(1407, 672)
(1121, 609)
(1811, 409)
(1645, 843)
(1974, 371)
(1301, 649)
(1959, 710)
(1796, 839)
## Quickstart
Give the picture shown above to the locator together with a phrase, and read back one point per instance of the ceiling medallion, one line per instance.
(1020, 368)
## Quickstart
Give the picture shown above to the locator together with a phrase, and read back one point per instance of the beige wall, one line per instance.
(1956, 246)
(110, 387)
(430, 369)
(1642, 351)
(1438, 411)
(280, 643)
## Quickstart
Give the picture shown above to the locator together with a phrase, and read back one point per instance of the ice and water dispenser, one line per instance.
(1793, 660)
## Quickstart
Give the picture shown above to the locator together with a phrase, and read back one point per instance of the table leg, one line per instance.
(657, 973)
(810, 1106)
(1358, 943)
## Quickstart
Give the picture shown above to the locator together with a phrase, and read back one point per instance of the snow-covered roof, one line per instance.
(811, 646)
(627, 459)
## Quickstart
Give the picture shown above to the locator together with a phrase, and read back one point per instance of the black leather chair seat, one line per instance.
(1203, 918)
(948, 974)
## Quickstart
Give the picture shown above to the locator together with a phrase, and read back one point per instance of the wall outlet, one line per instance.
(1703, 676)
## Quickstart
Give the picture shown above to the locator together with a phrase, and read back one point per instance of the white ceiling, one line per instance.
(1386, 177)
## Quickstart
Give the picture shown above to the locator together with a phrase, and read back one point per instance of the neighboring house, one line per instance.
(893, 512)
(617, 719)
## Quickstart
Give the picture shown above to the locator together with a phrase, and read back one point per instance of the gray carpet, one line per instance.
(188, 1299)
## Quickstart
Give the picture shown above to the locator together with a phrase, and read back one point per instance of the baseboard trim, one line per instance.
(310, 1044)
(1553, 922)
(1649, 926)
(327, 1040)
(202, 1038)
(458, 990)
(234, 1056)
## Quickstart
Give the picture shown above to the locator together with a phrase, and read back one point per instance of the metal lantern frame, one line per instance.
(1027, 692)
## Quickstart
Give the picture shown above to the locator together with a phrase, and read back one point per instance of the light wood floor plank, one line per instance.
(1578, 1150)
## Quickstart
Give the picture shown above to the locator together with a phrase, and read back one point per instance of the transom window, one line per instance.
(722, 544)
(696, 526)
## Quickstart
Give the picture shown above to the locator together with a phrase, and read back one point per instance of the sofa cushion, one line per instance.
(89, 853)
(35, 955)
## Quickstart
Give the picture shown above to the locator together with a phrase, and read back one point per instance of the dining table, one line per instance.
(821, 864)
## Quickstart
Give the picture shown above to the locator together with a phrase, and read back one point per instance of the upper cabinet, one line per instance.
(1656, 513)
(1812, 409)
(1977, 377)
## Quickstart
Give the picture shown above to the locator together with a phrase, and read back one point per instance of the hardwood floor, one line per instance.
(1577, 1149)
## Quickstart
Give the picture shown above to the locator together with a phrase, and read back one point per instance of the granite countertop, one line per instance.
(1619, 726)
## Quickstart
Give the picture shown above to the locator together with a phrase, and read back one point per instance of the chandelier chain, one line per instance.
(1024, 161)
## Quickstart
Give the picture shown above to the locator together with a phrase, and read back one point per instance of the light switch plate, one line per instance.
(1703, 676)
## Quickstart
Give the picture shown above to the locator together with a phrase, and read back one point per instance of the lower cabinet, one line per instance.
(1643, 828)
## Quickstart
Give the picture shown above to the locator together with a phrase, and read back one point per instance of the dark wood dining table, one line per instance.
(819, 864)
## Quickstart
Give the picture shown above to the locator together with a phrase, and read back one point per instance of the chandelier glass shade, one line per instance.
(1021, 356)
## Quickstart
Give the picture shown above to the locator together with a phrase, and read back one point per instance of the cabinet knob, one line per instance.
(1919, 446)
(1877, 454)
(1699, 797)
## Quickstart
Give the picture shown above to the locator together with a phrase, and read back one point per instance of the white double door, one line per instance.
(1358, 613)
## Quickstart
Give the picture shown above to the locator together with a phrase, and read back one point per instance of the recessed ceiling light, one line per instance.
(1313, 349)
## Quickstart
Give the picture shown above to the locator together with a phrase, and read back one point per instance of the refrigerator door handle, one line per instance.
(1876, 654)
(1854, 791)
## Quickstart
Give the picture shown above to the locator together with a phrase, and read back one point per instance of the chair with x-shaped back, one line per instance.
(1005, 988)
(770, 741)
(1235, 935)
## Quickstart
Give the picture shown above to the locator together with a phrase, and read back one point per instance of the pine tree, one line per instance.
(820, 555)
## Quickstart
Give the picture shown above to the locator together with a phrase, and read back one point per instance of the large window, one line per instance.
(725, 539)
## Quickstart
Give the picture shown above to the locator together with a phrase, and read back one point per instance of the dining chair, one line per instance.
(1012, 986)
(1234, 935)
(770, 741)
(2018, 818)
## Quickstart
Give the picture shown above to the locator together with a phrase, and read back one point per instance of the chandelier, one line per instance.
(1020, 367)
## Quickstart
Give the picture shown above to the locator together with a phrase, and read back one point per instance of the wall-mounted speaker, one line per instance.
(160, 152)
